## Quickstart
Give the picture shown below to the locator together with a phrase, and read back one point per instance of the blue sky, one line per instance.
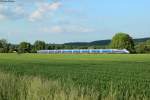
(59, 21)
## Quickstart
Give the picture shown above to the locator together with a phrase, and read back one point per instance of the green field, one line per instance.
(75, 77)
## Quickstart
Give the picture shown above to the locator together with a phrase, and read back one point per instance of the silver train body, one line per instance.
(82, 51)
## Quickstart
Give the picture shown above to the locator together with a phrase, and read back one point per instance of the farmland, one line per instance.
(74, 77)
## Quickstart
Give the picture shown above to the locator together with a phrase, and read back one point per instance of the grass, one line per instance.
(75, 77)
(35, 88)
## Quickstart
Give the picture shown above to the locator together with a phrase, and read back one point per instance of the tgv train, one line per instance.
(80, 51)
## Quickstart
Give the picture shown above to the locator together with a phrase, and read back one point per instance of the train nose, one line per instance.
(126, 51)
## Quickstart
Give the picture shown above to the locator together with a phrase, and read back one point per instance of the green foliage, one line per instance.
(122, 41)
(143, 47)
(24, 47)
(148, 42)
(3, 46)
(39, 45)
(86, 77)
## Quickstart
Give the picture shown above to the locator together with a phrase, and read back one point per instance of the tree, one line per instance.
(123, 41)
(148, 42)
(143, 47)
(12, 48)
(148, 46)
(24, 47)
(4, 46)
(39, 45)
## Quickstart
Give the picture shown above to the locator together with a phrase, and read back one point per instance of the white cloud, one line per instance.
(2, 17)
(85, 30)
(24, 9)
(11, 12)
(43, 9)
(54, 29)
(18, 10)
(66, 29)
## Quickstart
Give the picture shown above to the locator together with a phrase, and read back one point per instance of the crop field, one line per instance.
(74, 77)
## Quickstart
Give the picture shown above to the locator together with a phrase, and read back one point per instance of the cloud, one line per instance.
(2, 8)
(2, 17)
(11, 12)
(54, 29)
(66, 29)
(18, 10)
(43, 9)
(25, 9)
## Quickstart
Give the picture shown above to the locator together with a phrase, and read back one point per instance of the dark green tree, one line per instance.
(12, 48)
(24, 47)
(143, 47)
(148, 42)
(122, 41)
(4, 46)
(39, 45)
(148, 46)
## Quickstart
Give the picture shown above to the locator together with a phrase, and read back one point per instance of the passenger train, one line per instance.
(81, 51)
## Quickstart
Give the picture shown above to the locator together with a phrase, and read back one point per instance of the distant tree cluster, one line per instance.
(143, 47)
(119, 41)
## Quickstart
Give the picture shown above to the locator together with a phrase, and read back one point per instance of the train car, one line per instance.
(82, 51)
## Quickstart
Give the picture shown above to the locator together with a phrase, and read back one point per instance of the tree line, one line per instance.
(119, 41)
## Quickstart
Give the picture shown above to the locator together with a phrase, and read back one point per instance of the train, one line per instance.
(86, 51)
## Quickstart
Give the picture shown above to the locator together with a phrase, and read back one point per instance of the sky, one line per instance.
(61, 21)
